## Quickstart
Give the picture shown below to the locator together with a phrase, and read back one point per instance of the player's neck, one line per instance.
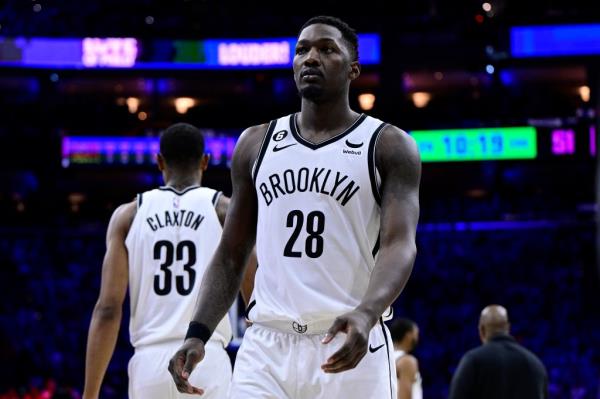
(323, 119)
(180, 183)
(403, 346)
(399, 347)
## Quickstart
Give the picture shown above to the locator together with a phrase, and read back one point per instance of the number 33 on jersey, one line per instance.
(172, 238)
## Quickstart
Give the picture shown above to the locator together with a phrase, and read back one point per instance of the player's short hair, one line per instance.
(400, 327)
(348, 33)
(182, 145)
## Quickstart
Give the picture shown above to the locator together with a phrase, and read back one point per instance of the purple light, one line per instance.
(593, 140)
(254, 53)
(111, 52)
(563, 141)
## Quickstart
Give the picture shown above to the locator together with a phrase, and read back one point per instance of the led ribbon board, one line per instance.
(434, 145)
(131, 53)
(130, 151)
(555, 40)
(476, 144)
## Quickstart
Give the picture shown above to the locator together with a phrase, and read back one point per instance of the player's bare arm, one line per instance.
(106, 317)
(224, 274)
(397, 159)
(248, 280)
(406, 372)
(222, 207)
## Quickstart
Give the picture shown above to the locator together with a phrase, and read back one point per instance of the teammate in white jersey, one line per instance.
(405, 335)
(159, 246)
(331, 197)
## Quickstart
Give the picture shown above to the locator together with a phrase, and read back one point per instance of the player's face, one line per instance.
(415, 338)
(322, 62)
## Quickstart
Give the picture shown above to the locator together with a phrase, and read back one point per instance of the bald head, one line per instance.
(493, 321)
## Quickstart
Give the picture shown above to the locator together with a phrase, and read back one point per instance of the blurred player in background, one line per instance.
(159, 246)
(405, 335)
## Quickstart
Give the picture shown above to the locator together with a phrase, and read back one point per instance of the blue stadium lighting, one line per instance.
(555, 40)
(507, 77)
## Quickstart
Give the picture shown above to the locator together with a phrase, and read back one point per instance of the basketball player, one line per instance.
(405, 335)
(160, 245)
(331, 197)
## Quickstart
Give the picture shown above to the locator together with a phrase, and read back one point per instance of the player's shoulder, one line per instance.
(397, 149)
(393, 135)
(254, 133)
(124, 214)
(407, 361)
(122, 218)
(127, 210)
(249, 143)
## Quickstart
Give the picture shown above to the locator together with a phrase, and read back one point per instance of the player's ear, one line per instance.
(354, 70)
(204, 162)
(160, 161)
(482, 335)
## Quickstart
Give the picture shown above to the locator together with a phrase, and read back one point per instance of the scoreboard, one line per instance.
(506, 143)
(476, 144)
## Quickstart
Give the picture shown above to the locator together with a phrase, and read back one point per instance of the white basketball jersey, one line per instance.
(170, 243)
(318, 222)
(417, 388)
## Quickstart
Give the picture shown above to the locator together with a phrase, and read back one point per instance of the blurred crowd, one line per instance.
(545, 276)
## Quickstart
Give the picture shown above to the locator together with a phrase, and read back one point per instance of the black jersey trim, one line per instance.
(387, 350)
(216, 197)
(376, 246)
(263, 148)
(390, 312)
(371, 161)
(139, 200)
(185, 190)
(313, 146)
(249, 308)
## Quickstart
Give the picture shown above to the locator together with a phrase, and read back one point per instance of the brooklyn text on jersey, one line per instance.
(316, 180)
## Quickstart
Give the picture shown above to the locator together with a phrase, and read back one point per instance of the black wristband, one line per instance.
(198, 330)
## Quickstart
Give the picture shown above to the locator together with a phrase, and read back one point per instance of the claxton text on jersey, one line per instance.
(176, 218)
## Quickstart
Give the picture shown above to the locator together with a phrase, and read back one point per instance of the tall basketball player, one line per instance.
(331, 197)
(159, 245)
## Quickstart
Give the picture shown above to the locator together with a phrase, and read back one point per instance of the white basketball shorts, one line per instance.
(287, 365)
(150, 379)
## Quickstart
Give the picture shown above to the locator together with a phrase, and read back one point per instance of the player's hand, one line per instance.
(357, 326)
(183, 362)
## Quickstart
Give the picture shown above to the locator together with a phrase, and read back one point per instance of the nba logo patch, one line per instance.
(299, 328)
(176, 202)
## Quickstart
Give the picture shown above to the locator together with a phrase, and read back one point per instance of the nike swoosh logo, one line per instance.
(352, 145)
(373, 350)
(275, 149)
